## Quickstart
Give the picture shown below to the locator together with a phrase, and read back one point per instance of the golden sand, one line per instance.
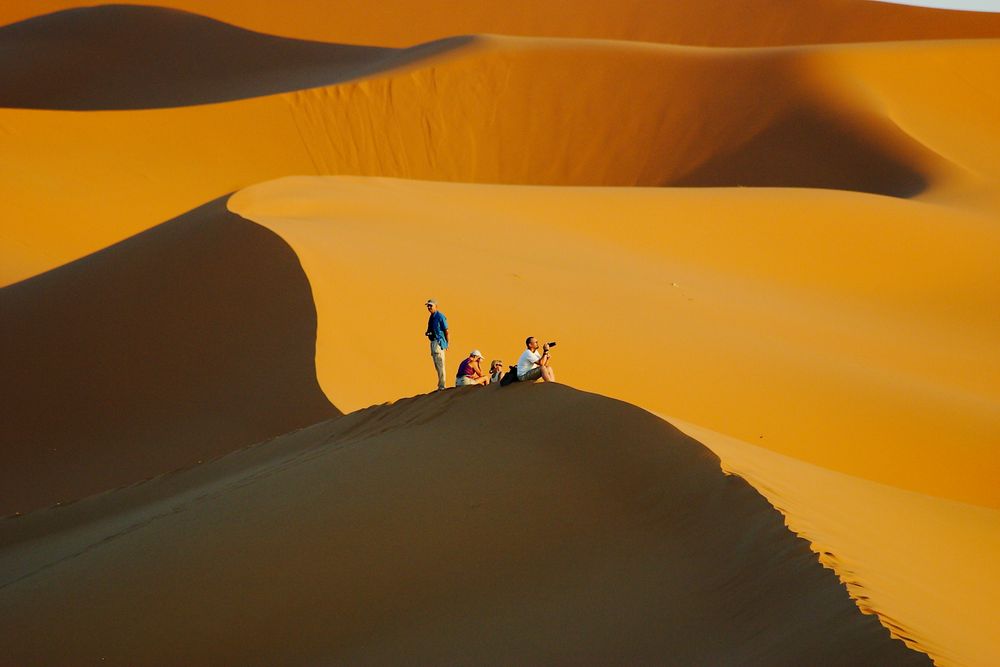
(706, 22)
(820, 310)
(837, 117)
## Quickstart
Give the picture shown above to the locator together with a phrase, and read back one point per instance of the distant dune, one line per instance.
(120, 57)
(178, 345)
(535, 524)
(527, 111)
(402, 23)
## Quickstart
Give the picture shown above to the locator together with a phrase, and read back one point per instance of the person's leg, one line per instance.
(532, 375)
(548, 375)
(438, 355)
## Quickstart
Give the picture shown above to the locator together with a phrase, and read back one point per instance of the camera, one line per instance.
(550, 344)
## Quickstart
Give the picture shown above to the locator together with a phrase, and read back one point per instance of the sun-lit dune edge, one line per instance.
(706, 22)
(535, 111)
(120, 57)
(925, 565)
(175, 346)
(529, 524)
(852, 331)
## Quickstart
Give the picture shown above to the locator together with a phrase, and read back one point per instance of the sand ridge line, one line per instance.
(402, 23)
(566, 500)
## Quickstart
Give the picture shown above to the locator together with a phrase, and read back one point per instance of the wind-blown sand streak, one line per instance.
(535, 524)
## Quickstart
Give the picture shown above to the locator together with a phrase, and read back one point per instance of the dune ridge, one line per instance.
(175, 346)
(568, 527)
(939, 598)
(744, 321)
(122, 57)
(847, 117)
(744, 23)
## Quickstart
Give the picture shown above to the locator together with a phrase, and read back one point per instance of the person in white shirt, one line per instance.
(532, 365)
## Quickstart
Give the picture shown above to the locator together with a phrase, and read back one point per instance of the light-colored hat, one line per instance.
(430, 302)
(476, 353)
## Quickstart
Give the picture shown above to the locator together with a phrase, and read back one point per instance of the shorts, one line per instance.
(464, 381)
(531, 375)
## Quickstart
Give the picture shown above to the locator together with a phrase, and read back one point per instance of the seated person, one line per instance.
(532, 365)
(496, 371)
(470, 372)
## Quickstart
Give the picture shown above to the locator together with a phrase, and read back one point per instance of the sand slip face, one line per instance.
(176, 346)
(534, 524)
(520, 111)
(117, 57)
(925, 565)
(403, 23)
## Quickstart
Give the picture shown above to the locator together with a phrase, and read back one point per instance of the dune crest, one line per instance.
(525, 525)
(121, 57)
(173, 347)
(742, 317)
(516, 110)
(744, 23)
(938, 598)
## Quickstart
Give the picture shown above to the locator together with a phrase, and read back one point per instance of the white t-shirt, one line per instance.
(527, 361)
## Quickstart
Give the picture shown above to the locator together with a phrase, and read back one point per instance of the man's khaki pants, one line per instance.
(437, 353)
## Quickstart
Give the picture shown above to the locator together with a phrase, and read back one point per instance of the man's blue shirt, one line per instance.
(436, 325)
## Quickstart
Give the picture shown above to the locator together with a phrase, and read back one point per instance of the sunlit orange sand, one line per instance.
(805, 283)
(516, 110)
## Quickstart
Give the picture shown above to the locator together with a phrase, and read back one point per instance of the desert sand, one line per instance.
(772, 224)
(585, 531)
(403, 23)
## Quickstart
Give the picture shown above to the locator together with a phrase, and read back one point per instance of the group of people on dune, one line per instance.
(531, 365)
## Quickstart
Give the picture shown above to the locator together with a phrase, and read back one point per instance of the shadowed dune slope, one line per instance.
(518, 110)
(120, 57)
(532, 524)
(185, 342)
(695, 22)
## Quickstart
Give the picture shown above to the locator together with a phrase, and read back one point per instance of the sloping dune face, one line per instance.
(535, 524)
(175, 346)
(705, 23)
(513, 110)
(119, 57)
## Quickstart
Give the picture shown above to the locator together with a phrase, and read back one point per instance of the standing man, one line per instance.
(437, 331)
(532, 365)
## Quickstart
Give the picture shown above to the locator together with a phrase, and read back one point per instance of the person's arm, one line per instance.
(544, 359)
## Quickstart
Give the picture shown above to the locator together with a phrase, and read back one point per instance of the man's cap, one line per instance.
(430, 302)
(476, 353)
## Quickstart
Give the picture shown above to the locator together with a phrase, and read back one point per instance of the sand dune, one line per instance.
(183, 343)
(119, 57)
(514, 110)
(839, 315)
(924, 564)
(530, 524)
(705, 22)
(852, 331)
